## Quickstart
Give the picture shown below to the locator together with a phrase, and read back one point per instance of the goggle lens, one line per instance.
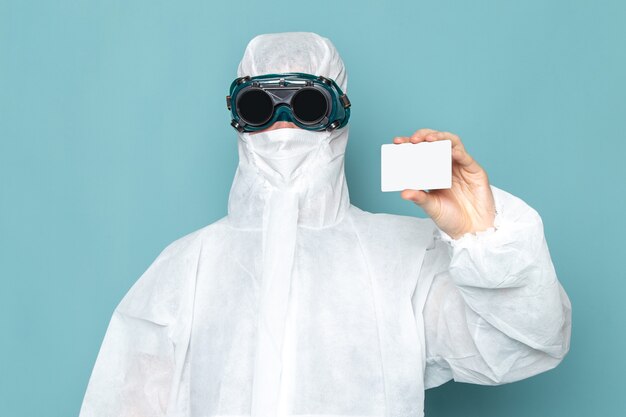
(309, 105)
(255, 106)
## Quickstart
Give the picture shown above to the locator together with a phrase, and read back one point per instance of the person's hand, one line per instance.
(469, 205)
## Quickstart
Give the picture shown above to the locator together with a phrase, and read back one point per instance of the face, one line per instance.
(278, 125)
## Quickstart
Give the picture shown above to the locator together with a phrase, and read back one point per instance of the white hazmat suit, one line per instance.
(299, 303)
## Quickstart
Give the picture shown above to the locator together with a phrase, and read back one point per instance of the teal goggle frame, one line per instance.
(311, 102)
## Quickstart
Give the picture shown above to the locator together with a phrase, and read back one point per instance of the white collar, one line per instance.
(320, 183)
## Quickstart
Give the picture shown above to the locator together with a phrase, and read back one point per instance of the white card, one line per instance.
(416, 166)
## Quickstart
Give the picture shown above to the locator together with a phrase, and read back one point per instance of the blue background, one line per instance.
(114, 141)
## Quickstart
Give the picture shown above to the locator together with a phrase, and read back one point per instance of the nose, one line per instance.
(278, 125)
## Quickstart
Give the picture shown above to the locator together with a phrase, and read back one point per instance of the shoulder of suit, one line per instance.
(190, 243)
(393, 226)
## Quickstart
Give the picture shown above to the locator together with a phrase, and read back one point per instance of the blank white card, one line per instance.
(417, 166)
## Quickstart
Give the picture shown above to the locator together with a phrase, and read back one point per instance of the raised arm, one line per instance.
(495, 312)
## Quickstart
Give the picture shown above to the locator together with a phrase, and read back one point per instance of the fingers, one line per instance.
(459, 154)
(400, 139)
(414, 138)
(421, 134)
(421, 198)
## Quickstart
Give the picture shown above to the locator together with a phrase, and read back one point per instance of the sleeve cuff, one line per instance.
(471, 238)
(501, 255)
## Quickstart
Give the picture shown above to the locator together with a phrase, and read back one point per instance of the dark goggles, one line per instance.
(311, 102)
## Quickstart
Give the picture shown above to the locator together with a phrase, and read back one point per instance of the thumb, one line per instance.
(421, 198)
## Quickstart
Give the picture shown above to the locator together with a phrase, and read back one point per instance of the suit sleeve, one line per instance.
(496, 311)
(135, 365)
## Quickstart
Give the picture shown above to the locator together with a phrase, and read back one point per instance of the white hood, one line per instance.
(309, 164)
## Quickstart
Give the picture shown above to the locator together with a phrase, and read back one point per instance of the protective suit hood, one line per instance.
(308, 164)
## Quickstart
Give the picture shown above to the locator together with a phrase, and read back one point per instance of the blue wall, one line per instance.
(114, 141)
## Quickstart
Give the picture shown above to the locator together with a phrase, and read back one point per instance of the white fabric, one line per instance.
(286, 159)
(299, 303)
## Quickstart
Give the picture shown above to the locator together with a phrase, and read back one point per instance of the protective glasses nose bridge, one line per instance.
(281, 95)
